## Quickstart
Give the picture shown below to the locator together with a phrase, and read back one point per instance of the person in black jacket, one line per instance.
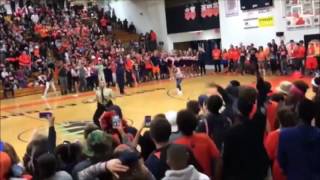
(215, 124)
(244, 155)
(202, 61)
(120, 71)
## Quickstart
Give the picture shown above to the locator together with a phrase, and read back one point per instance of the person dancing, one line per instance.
(49, 82)
(179, 78)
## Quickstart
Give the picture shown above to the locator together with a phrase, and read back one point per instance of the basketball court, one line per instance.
(20, 116)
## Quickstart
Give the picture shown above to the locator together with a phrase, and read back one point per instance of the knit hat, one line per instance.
(284, 87)
(98, 139)
(171, 116)
(5, 164)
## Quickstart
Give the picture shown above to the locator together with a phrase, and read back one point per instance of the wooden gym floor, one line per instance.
(19, 116)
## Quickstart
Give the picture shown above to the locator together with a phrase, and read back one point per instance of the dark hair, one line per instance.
(68, 153)
(214, 103)
(301, 85)
(249, 94)
(193, 106)
(247, 99)
(235, 83)
(9, 149)
(307, 110)
(245, 107)
(159, 116)
(187, 122)
(286, 117)
(160, 130)
(47, 165)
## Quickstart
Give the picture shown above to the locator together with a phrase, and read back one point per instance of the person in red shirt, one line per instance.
(311, 60)
(24, 59)
(153, 40)
(216, 55)
(287, 118)
(203, 148)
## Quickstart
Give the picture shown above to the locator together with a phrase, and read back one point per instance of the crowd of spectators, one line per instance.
(237, 132)
(36, 37)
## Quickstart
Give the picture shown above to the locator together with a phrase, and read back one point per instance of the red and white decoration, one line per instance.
(209, 10)
(190, 13)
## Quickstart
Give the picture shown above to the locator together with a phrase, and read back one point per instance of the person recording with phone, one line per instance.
(112, 122)
(104, 98)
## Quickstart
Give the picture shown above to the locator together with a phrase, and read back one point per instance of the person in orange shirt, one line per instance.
(216, 55)
(232, 58)
(225, 58)
(286, 118)
(298, 56)
(261, 56)
(201, 145)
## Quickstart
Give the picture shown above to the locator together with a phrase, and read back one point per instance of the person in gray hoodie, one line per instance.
(177, 159)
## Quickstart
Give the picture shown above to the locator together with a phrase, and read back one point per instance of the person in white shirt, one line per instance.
(179, 77)
(104, 98)
(177, 159)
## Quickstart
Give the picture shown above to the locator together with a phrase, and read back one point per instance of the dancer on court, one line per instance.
(179, 78)
(49, 82)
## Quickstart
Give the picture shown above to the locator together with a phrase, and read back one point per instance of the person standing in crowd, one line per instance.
(202, 61)
(262, 61)
(180, 169)
(299, 147)
(273, 58)
(243, 57)
(7, 87)
(63, 80)
(75, 78)
(129, 71)
(49, 82)
(100, 70)
(120, 71)
(286, 119)
(253, 59)
(215, 125)
(153, 40)
(202, 147)
(243, 146)
(216, 56)
(155, 60)
(283, 59)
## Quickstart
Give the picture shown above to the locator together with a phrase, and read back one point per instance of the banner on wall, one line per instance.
(232, 8)
(260, 22)
(265, 21)
(302, 13)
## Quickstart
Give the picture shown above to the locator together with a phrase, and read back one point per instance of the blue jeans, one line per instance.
(178, 83)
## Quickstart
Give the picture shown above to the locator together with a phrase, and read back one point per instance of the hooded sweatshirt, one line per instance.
(188, 173)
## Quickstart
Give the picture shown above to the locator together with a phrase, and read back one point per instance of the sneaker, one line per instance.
(180, 93)
(44, 97)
